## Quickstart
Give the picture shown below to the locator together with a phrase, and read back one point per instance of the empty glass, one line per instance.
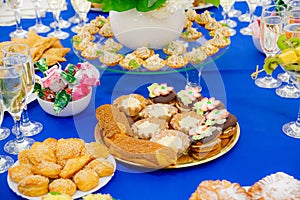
(15, 5)
(252, 4)
(55, 6)
(39, 27)
(226, 5)
(81, 7)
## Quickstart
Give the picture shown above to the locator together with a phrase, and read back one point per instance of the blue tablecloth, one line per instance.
(262, 148)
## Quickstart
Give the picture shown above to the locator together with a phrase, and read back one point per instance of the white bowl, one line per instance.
(73, 107)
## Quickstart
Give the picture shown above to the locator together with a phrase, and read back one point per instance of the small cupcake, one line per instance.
(154, 63)
(190, 34)
(187, 97)
(131, 62)
(195, 56)
(162, 93)
(220, 41)
(106, 31)
(111, 46)
(209, 49)
(175, 48)
(176, 61)
(143, 52)
(110, 58)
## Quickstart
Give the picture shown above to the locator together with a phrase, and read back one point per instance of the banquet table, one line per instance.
(261, 150)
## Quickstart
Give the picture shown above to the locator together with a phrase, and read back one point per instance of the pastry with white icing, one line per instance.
(186, 120)
(160, 111)
(131, 104)
(149, 127)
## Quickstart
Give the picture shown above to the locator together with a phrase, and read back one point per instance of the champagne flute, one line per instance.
(13, 90)
(39, 27)
(252, 4)
(15, 5)
(226, 5)
(271, 27)
(81, 7)
(62, 23)
(28, 127)
(55, 6)
(5, 161)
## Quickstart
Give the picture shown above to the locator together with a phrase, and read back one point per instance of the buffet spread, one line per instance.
(166, 129)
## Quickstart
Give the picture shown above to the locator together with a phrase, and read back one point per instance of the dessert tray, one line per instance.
(99, 42)
(102, 182)
(231, 143)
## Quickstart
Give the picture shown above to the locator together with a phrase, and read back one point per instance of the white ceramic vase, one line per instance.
(136, 29)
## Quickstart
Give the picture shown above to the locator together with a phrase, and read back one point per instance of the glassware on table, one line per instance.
(5, 161)
(226, 5)
(28, 127)
(234, 12)
(81, 7)
(271, 27)
(15, 5)
(13, 90)
(39, 27)
(55, 6)
(62, 23)
(252, 4)
(75, 19)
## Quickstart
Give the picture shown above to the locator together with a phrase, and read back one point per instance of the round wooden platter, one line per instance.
(191, 162)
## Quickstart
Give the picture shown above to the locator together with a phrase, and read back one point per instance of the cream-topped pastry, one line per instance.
(209, 49)
(131, 62)
(186, 120)
(84, 43)
(204, 18)
(190, 34)
(149, 127)
(223, 30)
(131, 104)
(106, 31)
(100, 21)
(91, 52)
(154, 63)
(110, 58)
(187, 97)
(204, 131)
(143, 52)
(191, 14)
(196, 56)
(176, 61)
(161, 111)
(176, 140)
(216, 117)
(212, 25)
(175, 48)
(276, 186)
(111, 46)
(220, 41)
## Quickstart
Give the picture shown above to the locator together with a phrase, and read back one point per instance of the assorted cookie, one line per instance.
(192, 126)
(60, 166)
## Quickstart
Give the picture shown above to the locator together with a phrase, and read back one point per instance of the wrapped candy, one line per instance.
(63, 86)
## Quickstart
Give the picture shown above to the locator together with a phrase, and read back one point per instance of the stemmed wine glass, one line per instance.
(39, 27)
(28, 127)
(252, 4)
(15, 5)
(271, 26)
(13, 90)
(226, 5)
(5, 161)
(55, 6)
(62, 23)
(81, 7)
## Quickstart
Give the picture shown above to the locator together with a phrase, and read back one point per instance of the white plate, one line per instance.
(102, 182)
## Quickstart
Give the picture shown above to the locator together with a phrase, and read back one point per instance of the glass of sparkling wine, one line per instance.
(15, 5)
(13, 90)
(28, 127)
(81, 7)
(55, 6)
(271, 27)
(5, 161)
